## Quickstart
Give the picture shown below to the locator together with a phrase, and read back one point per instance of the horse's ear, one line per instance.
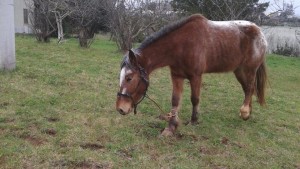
(132, 58)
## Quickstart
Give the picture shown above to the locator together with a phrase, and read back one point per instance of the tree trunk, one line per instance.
(83, 38)
(60, 31)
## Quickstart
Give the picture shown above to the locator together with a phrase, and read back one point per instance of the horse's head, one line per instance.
(133, 84)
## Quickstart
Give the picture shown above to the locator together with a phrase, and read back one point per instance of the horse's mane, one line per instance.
(166, 30)
(161, 33)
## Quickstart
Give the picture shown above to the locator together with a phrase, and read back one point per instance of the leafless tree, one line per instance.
(279, 6)
(222, 9)
(227, 10)
(41, 17)
(61, 10)
(282, 9)
(48, 15)
(87, 16)
(127, 19)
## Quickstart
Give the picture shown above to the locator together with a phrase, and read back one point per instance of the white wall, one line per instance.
(20, 26)
(7, 35)
(280, 35)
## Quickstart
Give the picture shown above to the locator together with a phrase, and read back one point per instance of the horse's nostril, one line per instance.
(121, 111)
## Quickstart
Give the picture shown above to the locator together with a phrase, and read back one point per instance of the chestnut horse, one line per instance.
(191, 47)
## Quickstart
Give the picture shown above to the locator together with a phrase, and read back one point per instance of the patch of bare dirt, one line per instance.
(83, 165)
(104, 138)
(63, 145)
(8, 120)
(92, 146)
(90, 165)
(297, 166)
(53, 119)
(4, 104)
(154, 155)
(194, 137)
(2, 131)
(218, 167)
(225, 141)
(239, 145)
(154, 125)
(126, 154)
(180, 136)
(34, 140)
(2, 160)
(202, 138)
(51, 132)
(206, 151)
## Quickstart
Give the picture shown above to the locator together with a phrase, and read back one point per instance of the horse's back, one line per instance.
(232, 44)
(247, 32)
(199, 45)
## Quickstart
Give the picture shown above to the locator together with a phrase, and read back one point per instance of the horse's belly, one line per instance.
(222, 65)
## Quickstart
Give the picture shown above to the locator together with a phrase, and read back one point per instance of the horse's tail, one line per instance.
(260, 84)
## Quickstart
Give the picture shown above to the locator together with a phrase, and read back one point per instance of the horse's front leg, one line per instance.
(195, 84)
(173, 115)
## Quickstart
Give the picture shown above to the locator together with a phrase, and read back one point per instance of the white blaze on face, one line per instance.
(122, 75)
(124, 72)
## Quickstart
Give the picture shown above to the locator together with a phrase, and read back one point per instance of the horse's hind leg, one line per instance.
(246, 77)
(172, 117)
(195, 83)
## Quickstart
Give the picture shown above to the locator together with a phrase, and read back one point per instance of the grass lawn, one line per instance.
(57, 110)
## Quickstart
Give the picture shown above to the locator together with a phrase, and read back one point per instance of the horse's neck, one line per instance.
(152, 60)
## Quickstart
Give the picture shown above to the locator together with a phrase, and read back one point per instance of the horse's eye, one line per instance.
(128, 79)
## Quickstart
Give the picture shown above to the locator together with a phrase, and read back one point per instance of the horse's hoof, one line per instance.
(167, 133)
(245, 113)
(165, 117)
(244, 116)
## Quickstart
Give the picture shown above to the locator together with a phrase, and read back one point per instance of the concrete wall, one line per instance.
(7, 35)
(20, 26)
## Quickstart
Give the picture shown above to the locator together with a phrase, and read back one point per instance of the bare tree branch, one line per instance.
(130, 19)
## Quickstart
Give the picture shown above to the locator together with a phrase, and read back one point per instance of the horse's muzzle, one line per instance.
(121, 111)
(123, 107)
